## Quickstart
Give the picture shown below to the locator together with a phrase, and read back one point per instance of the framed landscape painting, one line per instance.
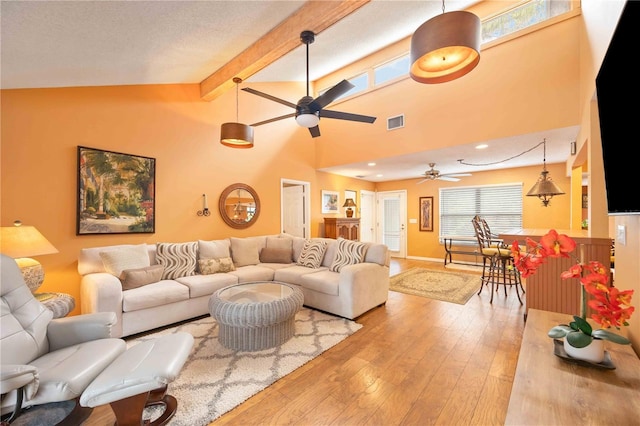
(426, 213)
(116, 193)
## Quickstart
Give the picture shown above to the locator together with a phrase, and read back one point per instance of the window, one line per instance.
(499, 205)
(391, 70)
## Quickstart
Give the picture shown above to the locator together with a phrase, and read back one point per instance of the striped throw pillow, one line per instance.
(348, 253)
(312, 254)
(178, 259)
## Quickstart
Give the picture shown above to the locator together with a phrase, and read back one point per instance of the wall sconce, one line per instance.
(20, 242)
(349, 203)
(205, 207)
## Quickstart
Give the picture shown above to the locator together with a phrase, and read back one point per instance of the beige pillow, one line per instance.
(134, 278)
(215, 266)
(275, 255)
(348, 253)
(244, 251)
(213, 249)
(130, 257)
(312, 253)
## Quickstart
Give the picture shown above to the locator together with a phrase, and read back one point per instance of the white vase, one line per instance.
(594, 352)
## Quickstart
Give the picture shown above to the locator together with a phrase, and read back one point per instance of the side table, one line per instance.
(58, 303)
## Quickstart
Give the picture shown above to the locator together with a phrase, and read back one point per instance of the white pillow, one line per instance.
(244, 251)
(348, 253)
(131, 257)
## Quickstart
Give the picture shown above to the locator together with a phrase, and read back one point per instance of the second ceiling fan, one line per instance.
(310, 110)
(435, 174)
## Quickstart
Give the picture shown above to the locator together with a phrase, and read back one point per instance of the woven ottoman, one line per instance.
(256, 315)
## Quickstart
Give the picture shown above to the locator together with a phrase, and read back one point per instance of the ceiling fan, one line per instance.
(309, 110)
(435, 174)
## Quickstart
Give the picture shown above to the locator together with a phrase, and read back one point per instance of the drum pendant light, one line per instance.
(236, 135)
(445, 47)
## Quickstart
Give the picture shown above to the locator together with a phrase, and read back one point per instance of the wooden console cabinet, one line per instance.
(345, 227)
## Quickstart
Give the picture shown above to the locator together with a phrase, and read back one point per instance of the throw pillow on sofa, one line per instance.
(244, 251)
(130, 257)
(178, 259)
(215, 249)
(282, 245)
(275, 255)
(134, 278)
(312, 254)
(348, 253)
(215, 266)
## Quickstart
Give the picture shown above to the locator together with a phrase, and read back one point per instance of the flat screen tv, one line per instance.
(618, 94)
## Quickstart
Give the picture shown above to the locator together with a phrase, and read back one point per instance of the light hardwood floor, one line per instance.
(416, 361)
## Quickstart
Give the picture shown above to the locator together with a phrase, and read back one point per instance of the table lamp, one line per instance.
(20, 242)
(348, 203)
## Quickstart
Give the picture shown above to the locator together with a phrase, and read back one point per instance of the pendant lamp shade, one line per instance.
(544, 188)
(445, 47)
(236, 135)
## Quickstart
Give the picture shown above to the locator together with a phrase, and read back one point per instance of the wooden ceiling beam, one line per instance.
(315, 16)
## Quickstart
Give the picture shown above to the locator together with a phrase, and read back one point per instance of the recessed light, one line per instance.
(482, 146)
(379, 175)
(371, 164)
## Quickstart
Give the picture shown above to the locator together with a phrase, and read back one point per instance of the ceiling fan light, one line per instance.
(236, 135)
(445, 47)
(308, 120)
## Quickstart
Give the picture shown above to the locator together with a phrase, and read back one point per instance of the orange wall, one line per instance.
(425, 244)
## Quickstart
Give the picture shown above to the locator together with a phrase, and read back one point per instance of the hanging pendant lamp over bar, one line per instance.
(544, 188)
(445, 47)
(236, 135)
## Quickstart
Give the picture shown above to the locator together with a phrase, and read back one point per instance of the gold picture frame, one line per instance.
(426, 213)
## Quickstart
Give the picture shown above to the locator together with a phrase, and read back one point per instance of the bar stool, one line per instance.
(497, 263)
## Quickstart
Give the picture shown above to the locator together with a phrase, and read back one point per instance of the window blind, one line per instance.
(499, 205)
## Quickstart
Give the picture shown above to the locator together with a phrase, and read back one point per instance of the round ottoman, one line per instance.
(256, 315)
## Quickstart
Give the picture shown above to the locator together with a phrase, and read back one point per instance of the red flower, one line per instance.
(557, 245)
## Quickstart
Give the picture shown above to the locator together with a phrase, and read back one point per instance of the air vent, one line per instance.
(396, 122)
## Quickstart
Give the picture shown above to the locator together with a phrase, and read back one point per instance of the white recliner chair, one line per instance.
(47, 360)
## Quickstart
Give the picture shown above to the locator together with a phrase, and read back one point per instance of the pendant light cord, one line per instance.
(237, 108)
(543, 143)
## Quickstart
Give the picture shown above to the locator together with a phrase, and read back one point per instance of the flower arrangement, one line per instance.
(612, 307)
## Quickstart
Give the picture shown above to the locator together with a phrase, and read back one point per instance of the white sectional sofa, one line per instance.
(153, 285)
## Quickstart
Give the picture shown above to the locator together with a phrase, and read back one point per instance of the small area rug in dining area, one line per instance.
(215, 379)
(454, 287)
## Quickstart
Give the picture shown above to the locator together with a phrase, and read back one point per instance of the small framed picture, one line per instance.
(426, 213)
(330, 201)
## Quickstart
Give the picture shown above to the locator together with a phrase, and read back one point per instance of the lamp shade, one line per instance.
(236, 135)
(349, 203)
(445, 47)
(544, 188)
(24, 241)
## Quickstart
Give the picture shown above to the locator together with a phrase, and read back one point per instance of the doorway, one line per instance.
(392, 219)
(295, 208)
(367, 216)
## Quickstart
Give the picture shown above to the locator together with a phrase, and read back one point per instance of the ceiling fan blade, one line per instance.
(457, 174)
(315, 131)
(346, 116)
(260, 123)
(267, 96)
(330, 95)
(423, 180)
(448, 178)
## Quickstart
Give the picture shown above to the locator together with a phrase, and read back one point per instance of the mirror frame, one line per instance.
(222, 203)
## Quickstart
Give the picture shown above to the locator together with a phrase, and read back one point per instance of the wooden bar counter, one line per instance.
(547, 390)
(545, 289)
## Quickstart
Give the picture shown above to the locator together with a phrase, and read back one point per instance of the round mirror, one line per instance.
(239, 206)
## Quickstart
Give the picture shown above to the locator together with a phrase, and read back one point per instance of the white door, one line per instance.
(295, 208)
(392, 220)
(367, 210)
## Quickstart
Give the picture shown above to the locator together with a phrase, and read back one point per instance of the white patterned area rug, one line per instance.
(215, 379)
